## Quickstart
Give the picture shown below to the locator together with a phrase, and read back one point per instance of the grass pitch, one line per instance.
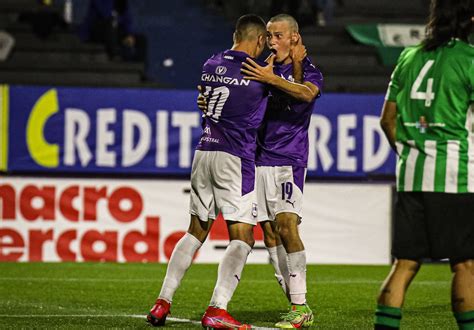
(98, 295)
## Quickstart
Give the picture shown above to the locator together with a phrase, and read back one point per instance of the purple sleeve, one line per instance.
(313, 75)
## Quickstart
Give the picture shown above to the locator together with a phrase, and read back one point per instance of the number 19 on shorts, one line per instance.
(286, 190)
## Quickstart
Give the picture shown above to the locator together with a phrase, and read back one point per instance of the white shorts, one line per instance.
(279, 189)
(221, 182)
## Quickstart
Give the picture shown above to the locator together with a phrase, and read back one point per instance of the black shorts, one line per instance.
(434, 225)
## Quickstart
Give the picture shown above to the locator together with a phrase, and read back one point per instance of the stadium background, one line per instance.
(95, 156)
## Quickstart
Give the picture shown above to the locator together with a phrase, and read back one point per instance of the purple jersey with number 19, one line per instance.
(236, 106)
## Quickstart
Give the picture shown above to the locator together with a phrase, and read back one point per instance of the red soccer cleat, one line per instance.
(158, 313)
(217, 318)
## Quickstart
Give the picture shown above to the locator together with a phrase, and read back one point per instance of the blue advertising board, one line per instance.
(148, 131)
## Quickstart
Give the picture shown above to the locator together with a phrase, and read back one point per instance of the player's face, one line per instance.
(279, 39)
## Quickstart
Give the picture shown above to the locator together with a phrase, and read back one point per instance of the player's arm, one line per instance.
(303, 92)
(201, 100)
(298, 54)
(388, 121)
(298, 72)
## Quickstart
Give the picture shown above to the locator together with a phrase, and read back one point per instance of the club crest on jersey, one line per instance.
(254, 210)
(221, 70)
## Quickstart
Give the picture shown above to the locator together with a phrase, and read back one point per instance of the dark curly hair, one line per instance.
(448, 19)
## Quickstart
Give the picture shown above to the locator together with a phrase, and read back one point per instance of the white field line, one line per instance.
(249, 280)
(172, 319)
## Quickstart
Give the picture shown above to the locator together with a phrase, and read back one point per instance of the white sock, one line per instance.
(283, 265)
(272, 251)
(297, 282)
(180, 260)
(229, 272)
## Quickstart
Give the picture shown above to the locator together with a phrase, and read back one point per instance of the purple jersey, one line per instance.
(236, 106)
(283, 137)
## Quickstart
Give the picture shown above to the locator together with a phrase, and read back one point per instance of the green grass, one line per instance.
(343, 297)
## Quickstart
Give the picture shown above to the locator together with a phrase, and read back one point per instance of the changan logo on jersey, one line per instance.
(221, 70)
(206, 77)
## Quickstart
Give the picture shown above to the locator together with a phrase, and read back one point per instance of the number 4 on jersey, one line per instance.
(428, 96)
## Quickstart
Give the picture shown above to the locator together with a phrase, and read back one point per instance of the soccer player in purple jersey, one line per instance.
(282, 156)
(223, 174)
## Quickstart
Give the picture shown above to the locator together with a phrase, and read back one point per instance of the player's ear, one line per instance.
(294, 38)
(261, 41)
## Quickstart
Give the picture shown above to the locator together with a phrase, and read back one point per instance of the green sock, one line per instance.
(465, 320)
(387, 316)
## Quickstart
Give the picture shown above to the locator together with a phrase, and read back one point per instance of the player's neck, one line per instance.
(246, 48)
(287, 60)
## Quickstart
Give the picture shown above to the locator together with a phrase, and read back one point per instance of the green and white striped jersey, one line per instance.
(434, 93)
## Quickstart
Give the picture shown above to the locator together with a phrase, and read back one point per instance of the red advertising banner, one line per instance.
(117, 220)
(94, 220)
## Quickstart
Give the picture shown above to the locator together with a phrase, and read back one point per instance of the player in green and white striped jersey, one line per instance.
(428, 119)
(433, 92)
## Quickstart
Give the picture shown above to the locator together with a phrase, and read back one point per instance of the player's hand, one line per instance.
(273, 53)
(201, 100)
(253, 71)
(298, 50)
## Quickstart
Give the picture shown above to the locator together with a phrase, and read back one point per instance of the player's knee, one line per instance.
(242, 232)
(200, 235)
(287, 229)
(284, 232)
(407, 265)
(199, 229)
(249, 240)
(268, 235)
(463, 266)
(269, 242)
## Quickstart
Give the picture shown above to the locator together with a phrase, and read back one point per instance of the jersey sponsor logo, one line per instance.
(422, 124)
(228, 57)
(206, 77)
(209, 139)
(221, 70)
(290, 78)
